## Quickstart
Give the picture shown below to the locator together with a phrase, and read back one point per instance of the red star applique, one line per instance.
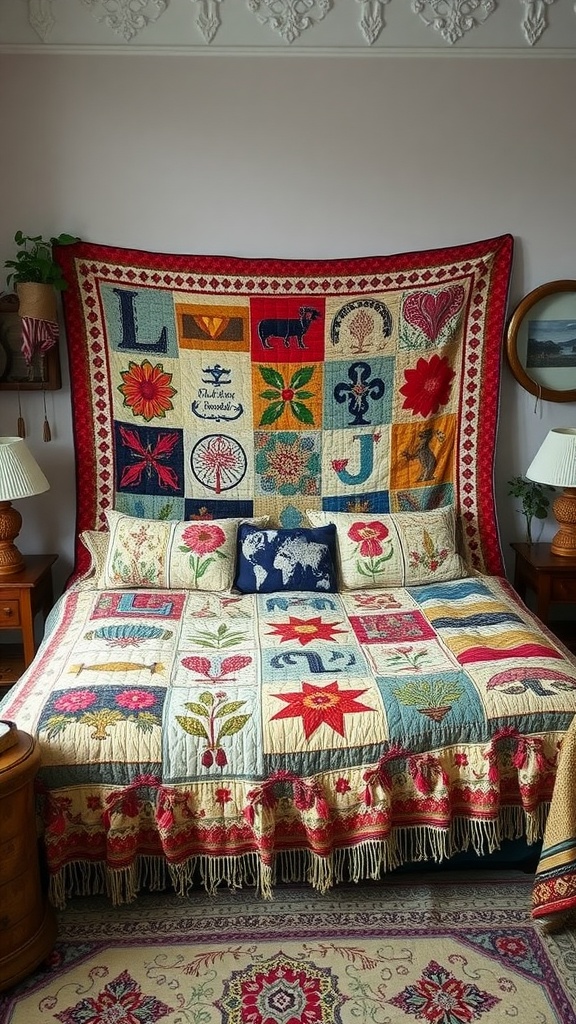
(305, 630)
(318, 704)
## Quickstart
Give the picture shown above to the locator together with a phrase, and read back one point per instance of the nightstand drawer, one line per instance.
(564, 589)
(9, 612)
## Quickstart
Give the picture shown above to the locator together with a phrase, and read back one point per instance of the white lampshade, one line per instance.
(555, 461)
(20, 477)
(20, 474)
(555, 465)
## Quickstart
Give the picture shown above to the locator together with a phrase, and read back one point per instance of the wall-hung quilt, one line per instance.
(287, 649)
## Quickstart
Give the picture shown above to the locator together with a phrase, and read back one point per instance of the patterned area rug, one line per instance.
(447, 949)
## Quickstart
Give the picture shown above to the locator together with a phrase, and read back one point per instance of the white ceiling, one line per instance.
(408, 27)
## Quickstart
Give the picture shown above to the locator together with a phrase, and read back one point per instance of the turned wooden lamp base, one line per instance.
(564, 507)
(11, 560)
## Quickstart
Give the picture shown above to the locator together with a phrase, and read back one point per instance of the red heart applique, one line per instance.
(430, 311)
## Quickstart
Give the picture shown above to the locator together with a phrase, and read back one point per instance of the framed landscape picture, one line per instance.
(541, 342)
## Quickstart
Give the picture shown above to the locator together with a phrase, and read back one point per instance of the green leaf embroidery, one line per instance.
(198, 709)
(302, 412)
(192, 726)
(272, 413)
(302, 375)
(203, 566)
(229, 708)
(233, 725)
(272, 377)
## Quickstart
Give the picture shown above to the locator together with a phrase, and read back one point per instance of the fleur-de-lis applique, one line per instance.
(362, 388)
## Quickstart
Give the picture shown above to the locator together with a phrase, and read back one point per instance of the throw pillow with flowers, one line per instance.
(196, 555)
(394, 549)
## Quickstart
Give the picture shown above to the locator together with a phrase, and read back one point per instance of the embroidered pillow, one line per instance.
(398, 549)
(290, 559)
(197, 555)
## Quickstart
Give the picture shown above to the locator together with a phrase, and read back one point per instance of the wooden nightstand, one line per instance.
(553, 580)
(22, 596)
(27, 922)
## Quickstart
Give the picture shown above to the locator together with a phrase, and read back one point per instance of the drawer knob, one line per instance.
(7, 612)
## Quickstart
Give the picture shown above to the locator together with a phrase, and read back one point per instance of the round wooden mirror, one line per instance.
(541, 342)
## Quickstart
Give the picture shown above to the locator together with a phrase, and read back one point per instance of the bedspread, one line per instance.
(249, 737)
(554, 890)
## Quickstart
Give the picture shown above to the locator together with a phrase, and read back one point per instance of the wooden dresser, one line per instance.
(27, 922)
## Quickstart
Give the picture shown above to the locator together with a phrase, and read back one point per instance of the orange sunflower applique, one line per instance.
(147, 389)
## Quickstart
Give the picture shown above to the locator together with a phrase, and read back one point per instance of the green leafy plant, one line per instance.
(533, 498)
(34, 260)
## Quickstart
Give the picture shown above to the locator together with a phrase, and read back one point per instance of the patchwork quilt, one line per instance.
(248, 737)
(215, 386)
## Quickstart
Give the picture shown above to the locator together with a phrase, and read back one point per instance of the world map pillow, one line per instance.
(398, 549)
(198, 555)
(286, 559)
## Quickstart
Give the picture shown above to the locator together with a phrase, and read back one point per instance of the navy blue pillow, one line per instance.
(297, 559)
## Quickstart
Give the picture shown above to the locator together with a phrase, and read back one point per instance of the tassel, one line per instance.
(46, 433)
(21, 428)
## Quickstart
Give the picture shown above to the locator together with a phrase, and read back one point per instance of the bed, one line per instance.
(287, 649)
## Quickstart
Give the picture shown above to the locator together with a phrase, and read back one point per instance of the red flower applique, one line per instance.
(427, 385)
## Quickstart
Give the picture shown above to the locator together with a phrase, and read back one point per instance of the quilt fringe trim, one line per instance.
(369, 860)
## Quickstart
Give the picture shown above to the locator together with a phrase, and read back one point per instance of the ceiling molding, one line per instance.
(304, 53)
(312, 27)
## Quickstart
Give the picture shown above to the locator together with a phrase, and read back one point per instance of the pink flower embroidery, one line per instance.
(134, 700)
(75, 700)
(202, 538)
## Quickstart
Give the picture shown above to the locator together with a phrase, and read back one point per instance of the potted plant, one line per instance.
(36, 278)
(34, 261)
(533, 498)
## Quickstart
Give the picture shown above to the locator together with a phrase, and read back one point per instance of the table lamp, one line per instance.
(20, 477)
(555, 464)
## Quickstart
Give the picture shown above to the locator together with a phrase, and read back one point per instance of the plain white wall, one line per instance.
(288, 156)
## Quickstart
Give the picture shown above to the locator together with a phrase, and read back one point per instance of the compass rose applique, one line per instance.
(304, 631)
(319, 705)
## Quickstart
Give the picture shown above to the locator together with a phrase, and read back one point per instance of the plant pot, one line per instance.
(37, 300)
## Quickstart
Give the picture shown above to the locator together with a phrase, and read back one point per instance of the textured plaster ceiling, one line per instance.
(472, 27)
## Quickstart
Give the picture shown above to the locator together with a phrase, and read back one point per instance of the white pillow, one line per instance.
(160, 554)
(396, 549)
